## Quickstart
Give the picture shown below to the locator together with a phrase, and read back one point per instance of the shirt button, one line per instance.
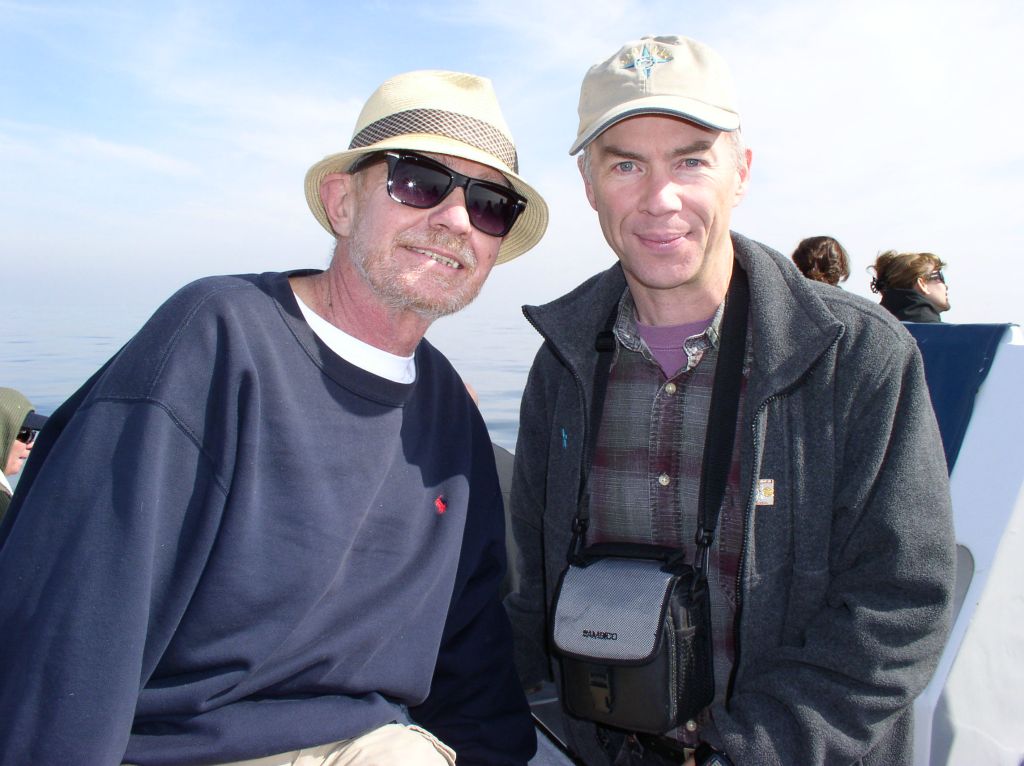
(663, 480)
(670, 388)
(691, 726)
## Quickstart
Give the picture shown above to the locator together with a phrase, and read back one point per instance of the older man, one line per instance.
(271, 527)
(830, 548)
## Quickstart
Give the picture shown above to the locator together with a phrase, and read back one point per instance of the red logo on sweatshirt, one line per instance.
(440, 504)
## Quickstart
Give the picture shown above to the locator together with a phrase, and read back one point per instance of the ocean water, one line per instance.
(493, 352)
(48, 354)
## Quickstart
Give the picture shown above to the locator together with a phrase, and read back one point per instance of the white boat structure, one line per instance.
(972, 712)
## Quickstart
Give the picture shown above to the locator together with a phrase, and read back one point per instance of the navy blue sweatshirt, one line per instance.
(233, 543)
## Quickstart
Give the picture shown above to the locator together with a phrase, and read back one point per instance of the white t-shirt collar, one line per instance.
(400, 369)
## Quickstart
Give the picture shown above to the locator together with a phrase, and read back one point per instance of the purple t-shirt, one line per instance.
(666, 343)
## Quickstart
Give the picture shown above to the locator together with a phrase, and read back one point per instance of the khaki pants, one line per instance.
(390, 745)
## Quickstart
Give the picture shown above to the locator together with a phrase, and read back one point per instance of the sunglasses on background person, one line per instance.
(27, 435)
(420, 182)
(936, 276)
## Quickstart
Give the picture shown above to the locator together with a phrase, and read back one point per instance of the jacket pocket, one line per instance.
(806, 599)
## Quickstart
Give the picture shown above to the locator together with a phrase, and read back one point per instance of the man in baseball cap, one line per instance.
(827, 546)
(270, 530)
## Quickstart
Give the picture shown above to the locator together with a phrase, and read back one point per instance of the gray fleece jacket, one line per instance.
(845, 581)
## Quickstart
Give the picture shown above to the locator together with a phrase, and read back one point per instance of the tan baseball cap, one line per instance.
(443, 112)
(669, 75)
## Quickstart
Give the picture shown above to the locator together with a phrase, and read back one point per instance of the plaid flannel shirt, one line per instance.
(645, 479)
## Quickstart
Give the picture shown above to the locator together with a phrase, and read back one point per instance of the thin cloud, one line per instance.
(884, 123)
(143, 159)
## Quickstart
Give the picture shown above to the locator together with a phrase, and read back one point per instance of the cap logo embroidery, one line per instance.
(644, 61)
(440, 505)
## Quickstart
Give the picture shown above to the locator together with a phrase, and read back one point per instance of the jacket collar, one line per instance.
(790, 325)
(909, 306)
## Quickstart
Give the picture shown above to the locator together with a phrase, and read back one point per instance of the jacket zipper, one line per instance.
(751, 504)
(747, 523)
(581, 391)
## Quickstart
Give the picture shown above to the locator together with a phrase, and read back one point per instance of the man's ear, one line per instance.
(337, 194)
(581, 164)
(744, 173)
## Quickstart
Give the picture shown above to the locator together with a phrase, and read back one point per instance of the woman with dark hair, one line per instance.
(912, 285)
(822, 259)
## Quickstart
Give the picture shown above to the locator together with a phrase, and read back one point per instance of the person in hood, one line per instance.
(19, 426)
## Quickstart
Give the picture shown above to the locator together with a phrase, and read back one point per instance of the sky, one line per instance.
(144, 144)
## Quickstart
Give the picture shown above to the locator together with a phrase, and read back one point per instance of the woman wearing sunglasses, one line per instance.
(912, 285)
(19, 425)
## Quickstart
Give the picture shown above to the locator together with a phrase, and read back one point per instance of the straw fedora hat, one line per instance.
(445, 113)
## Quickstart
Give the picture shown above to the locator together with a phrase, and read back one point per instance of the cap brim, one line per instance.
(687, 109)
(34, 420)
(528, 228)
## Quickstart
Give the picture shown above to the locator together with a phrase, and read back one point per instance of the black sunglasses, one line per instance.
(936, 276)
(421, 182)
(27, 435)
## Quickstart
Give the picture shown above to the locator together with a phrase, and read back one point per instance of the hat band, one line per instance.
(460, 127)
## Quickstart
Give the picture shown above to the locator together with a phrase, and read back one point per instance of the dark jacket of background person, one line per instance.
(845, 582)
(822, 259)
(909, 306)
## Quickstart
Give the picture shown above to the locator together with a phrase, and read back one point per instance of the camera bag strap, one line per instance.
(721, 429)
